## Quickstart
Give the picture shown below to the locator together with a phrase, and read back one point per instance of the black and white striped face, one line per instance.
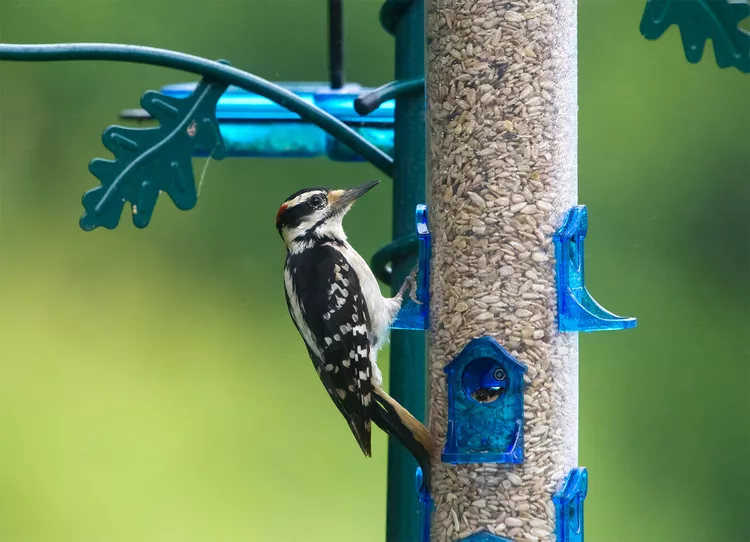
(316, 213)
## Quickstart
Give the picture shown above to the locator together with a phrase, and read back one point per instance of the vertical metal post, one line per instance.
(336, 43)
(502, 108)
(407, 368)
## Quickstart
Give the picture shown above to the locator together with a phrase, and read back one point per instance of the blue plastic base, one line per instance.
(576, 309)
(411, 317)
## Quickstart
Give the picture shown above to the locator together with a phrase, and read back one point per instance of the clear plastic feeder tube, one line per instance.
(502, 153)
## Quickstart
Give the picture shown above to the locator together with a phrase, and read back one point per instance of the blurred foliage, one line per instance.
(152, 385)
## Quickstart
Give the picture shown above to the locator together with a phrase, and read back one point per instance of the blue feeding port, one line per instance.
(485, 405)
(254, 126)
(416, 316)
(576, 309)
(569, 506)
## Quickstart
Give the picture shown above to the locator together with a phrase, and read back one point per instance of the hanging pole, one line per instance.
(502, 127)
(336, 43)
(407, 365)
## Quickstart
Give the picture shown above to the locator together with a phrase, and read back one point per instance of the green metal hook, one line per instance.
(368, 102)
(392, 254)
(391, 12)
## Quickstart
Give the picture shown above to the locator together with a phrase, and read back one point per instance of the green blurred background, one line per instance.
(154, 389)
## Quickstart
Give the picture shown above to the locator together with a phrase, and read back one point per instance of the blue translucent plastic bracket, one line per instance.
(485, 405)
(416, 316)
(485, 537)
(255, 127)
(576, 309)
(569, 506)
(425, 508)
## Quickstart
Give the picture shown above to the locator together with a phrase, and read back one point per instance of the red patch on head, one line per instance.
(281, 210)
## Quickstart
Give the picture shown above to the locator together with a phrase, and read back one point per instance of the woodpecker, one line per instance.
(335, 302)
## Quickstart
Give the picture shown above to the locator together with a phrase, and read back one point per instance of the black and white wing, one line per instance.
(324, 298)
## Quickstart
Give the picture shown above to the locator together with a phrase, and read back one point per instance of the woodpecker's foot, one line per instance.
(411, 281)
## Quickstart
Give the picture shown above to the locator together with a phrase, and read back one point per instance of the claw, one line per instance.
(411, 282)
(413, 289)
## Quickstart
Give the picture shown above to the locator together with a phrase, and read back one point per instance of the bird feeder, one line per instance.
(503, 205)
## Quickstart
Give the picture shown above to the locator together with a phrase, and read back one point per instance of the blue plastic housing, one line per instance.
(576, 309)
(485, 405)
(253, 126)
(569, 506)
(485, 537)
(416, 316)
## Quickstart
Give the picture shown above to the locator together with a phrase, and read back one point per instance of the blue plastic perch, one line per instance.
(416, 316)
(576, 309)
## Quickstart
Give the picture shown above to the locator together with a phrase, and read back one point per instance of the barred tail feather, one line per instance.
(361, 432)
(398, 422)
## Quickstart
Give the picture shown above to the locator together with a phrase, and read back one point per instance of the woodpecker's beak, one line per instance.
(340, 200)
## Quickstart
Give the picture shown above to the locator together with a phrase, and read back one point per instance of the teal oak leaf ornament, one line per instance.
(700, 20)
(148, 161)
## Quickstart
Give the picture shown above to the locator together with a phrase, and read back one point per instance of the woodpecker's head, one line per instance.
(316, 213)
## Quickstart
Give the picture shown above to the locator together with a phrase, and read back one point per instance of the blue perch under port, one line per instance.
(569, 506)
(485, 405)
(253, 126)
(576, 309)
(416, 316)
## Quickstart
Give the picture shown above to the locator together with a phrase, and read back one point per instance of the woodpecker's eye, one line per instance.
(317, 201)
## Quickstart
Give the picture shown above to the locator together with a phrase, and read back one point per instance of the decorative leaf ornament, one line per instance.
(700, 20)
(148, 161)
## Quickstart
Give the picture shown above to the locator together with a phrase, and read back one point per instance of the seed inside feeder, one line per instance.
(502, 156)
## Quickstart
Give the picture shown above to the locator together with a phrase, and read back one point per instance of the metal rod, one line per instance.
(366, 103)
(502, 127)
(336, 43)
(208, 68)
(407, 366)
